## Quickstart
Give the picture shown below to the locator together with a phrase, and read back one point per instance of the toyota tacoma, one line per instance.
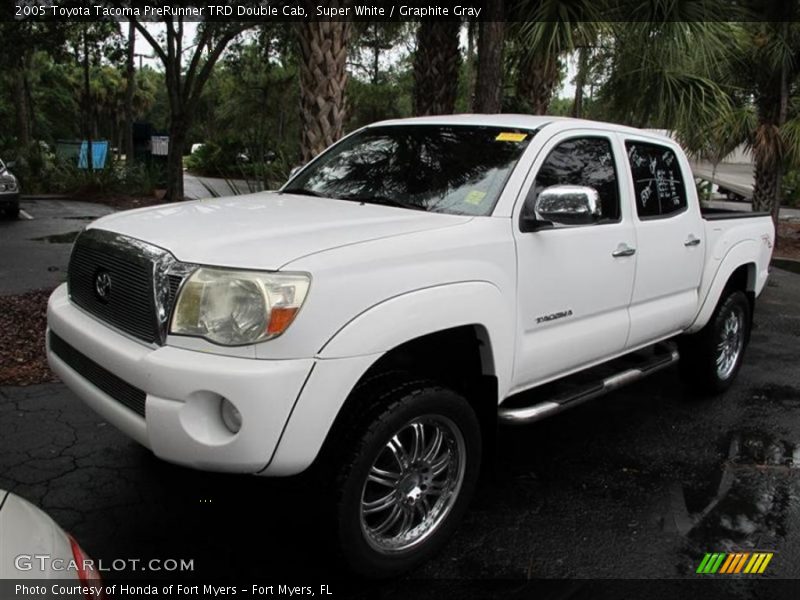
(416, 286)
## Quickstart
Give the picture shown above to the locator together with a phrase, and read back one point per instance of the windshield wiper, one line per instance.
(386, 201)
(304, 192)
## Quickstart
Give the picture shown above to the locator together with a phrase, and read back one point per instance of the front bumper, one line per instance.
(183, 392)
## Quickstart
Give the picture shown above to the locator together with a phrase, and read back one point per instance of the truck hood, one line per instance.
(266, 230)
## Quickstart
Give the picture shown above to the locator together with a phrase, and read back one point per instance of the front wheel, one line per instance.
(407, 479)
(711, 358)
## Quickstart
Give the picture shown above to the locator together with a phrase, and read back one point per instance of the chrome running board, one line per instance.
(664, 355)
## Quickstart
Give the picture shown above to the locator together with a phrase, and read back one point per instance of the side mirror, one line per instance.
(295, 170)
(567, 205)
(11, 164)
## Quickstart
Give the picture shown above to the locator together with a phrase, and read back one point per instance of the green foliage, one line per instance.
(248, 108)
(214, 160)
(791, 188)
(376, 102)
(209, 160)
(116, 178)
(41, 171)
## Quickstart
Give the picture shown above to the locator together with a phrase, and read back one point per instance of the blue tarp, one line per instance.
(99, 153)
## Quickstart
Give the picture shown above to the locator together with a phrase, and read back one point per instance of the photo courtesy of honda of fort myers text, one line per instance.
(291, 291)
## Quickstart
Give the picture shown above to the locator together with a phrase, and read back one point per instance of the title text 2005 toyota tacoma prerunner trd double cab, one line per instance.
(378, 317)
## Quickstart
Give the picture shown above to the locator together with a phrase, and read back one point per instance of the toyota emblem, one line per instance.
(102, 285)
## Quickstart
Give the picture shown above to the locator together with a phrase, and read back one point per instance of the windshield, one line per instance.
(452, 169)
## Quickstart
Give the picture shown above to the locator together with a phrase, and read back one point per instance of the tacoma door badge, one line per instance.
(553, 316)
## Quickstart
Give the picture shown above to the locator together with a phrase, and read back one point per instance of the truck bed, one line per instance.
(718, 214)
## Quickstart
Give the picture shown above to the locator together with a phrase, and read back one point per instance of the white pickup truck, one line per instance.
(377, 318)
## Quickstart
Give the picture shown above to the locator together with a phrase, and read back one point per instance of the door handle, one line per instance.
(623, 250)
(692, 241)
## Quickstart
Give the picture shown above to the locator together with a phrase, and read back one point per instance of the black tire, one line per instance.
(396, 408)
(712, 357)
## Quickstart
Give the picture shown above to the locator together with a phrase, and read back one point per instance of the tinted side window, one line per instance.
(581, 161)
(657, 179)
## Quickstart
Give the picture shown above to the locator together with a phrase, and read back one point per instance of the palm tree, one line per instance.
(436, 66)
(323, 79)
(491, 41)
(661, 54)
(544, 32)
(759, 72)
(770, 57)
(537, 77)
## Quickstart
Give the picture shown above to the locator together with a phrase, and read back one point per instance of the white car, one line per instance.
(377, 318)
(34, 547)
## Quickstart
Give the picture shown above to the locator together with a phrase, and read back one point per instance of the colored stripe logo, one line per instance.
(731, 563)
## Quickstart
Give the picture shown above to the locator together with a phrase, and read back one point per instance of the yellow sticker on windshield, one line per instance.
(475, 197)
(510, 136)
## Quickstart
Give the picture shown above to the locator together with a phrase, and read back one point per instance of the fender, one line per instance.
(743, 253)
(344, 359)
(415, 314)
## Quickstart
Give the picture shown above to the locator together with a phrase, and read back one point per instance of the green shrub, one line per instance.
(206, 160)
(791, 188)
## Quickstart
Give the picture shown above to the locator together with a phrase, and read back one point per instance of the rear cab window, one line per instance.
(658, 183)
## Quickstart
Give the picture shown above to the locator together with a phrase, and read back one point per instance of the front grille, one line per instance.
(174, 284)
(113, 276)
(121, 391)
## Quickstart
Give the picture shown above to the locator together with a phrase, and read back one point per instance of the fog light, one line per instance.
(230, 416)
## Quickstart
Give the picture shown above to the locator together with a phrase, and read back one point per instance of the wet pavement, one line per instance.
(35, 248)
(638, 484)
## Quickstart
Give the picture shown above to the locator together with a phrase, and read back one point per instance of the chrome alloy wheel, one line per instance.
(413, 484)
(730, 343)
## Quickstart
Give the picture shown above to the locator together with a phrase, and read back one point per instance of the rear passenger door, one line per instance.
(670, 244)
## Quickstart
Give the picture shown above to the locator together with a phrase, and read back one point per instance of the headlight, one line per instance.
(234, 308)
(8, 185)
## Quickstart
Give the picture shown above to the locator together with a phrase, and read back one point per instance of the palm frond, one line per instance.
(790, 137)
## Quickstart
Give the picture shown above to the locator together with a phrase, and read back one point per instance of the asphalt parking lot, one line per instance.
(639, 484)
(35, 249)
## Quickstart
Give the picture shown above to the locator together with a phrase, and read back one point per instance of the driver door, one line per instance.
(574, 281)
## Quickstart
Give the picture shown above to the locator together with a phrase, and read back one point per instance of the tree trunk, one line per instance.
(376, 55)
(130, 80)
(537, 78)
(470, 66)
(489, 85)
(772, 101)
(436, 65)
(580, 82)
(177, 142)
(766, 189)
(21, 105)
(323, 78)
(87, 105)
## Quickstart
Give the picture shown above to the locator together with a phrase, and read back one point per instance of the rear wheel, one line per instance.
(408, 473)
(711, 358)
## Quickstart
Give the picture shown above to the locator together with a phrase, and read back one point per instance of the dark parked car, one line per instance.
(9, 192)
